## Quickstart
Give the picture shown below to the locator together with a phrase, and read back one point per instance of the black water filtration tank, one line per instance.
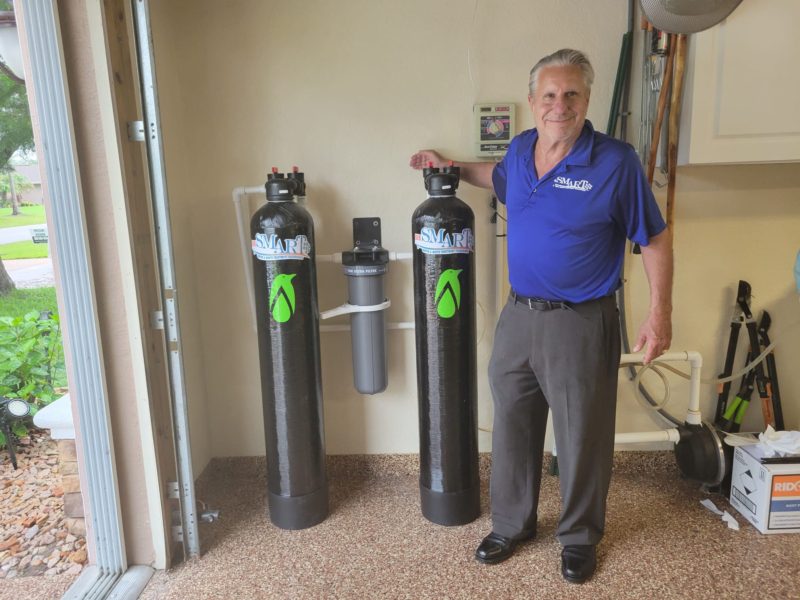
(444, 302)
(287, 313)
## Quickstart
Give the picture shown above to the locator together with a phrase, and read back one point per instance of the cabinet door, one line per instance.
(742, 100)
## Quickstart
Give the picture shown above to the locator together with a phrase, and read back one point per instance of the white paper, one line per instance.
(732, 523)
(711, 506)
(726, 516)
(779, 443)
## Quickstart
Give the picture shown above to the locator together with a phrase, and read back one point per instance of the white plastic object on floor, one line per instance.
(57, 417)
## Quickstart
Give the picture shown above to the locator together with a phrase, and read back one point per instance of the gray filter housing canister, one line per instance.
(365, 267)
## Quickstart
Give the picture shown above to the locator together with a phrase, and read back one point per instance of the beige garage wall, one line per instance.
(348, 90)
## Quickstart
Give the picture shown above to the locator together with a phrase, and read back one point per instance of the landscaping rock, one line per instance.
(32, 520)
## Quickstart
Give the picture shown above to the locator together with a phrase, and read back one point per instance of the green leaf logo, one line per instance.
(448, 293)
(281, 298)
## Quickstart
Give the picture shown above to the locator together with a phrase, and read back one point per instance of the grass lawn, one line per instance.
(25, 249)
(19, 302)
(29, 215)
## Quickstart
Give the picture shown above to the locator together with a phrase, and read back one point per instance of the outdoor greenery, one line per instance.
(20, 302)
(27, 249)
(16, 135)
(21, 184)
(31, 354)
(15, 120)
(29, 215)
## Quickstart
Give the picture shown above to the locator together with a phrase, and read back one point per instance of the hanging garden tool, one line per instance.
(681, 17)
(731, 420)
(772, 372)
(729, 417)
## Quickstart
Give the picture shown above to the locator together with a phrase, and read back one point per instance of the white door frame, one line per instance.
(109, 574)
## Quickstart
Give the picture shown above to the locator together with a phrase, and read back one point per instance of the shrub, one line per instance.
(31, 361)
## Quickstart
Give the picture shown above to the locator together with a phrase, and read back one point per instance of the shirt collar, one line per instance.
(581, 153)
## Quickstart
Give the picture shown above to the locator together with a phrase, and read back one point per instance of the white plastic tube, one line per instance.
(243, 224)
(339, 328)
(666, 435)
(337, 258)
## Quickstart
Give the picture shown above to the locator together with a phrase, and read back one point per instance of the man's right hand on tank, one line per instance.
(421, 159)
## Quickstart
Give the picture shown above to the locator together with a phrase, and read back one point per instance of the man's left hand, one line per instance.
(655, 335)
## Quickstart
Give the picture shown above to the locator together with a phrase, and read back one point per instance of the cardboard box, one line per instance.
(767, 495)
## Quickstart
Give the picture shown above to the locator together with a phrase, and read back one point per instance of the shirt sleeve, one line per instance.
(500, 171)
(499, 175)
(634, 208)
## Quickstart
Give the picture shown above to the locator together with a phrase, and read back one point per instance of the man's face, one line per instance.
(560, 103)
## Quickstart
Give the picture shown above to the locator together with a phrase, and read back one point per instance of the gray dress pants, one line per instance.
(567, 360)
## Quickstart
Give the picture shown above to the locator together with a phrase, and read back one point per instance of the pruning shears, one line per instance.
(729, 417)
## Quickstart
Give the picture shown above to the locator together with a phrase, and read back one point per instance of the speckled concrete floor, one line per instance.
(660, 543)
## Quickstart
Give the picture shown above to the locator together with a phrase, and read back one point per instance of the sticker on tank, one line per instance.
(439, 241)
(281, 298)
(448, 293)
(272, 247)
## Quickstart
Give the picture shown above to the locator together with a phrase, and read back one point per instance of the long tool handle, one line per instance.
(772, 372)
(774, 392)
(725, 388)
(761, 380)
(661, 109)
(674, 125)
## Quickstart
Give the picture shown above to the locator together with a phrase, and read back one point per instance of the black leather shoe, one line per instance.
(578, 563)
(496, 548)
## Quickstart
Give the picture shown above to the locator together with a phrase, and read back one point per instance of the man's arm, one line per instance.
(656, 332)
(478, 174)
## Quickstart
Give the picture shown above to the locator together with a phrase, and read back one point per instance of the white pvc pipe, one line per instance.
(666, 435)
(339, 328)
(337, 258)
(243, 224)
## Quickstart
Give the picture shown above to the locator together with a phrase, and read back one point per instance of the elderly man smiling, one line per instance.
(572, 196)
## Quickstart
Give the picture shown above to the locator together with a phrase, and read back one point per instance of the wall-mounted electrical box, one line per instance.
(495, 125)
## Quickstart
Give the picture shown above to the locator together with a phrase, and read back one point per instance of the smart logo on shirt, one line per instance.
(582, 185)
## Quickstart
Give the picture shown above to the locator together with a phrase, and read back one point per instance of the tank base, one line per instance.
(298, 512)
(450, 508)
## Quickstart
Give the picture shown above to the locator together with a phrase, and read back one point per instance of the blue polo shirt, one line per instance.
(567, 230)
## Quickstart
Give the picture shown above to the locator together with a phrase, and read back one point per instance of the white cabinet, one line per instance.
(742, 94)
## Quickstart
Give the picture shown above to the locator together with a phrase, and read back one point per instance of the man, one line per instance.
(572, 197)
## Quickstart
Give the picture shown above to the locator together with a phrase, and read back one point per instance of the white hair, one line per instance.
(565, 57)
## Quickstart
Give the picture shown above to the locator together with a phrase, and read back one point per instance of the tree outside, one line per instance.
(16, 135)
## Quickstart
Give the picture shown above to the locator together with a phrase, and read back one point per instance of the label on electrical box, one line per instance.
(495, 126)
(271, 247)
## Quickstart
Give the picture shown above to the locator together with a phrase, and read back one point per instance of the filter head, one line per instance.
(443, 184)
(280, 189)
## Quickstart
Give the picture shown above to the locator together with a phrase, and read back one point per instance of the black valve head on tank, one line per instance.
(442, 182)
(281, 189)
(299, 177)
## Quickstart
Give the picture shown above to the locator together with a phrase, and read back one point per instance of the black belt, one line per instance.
(539, 303)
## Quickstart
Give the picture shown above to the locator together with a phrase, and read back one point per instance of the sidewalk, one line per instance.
(31, 272)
